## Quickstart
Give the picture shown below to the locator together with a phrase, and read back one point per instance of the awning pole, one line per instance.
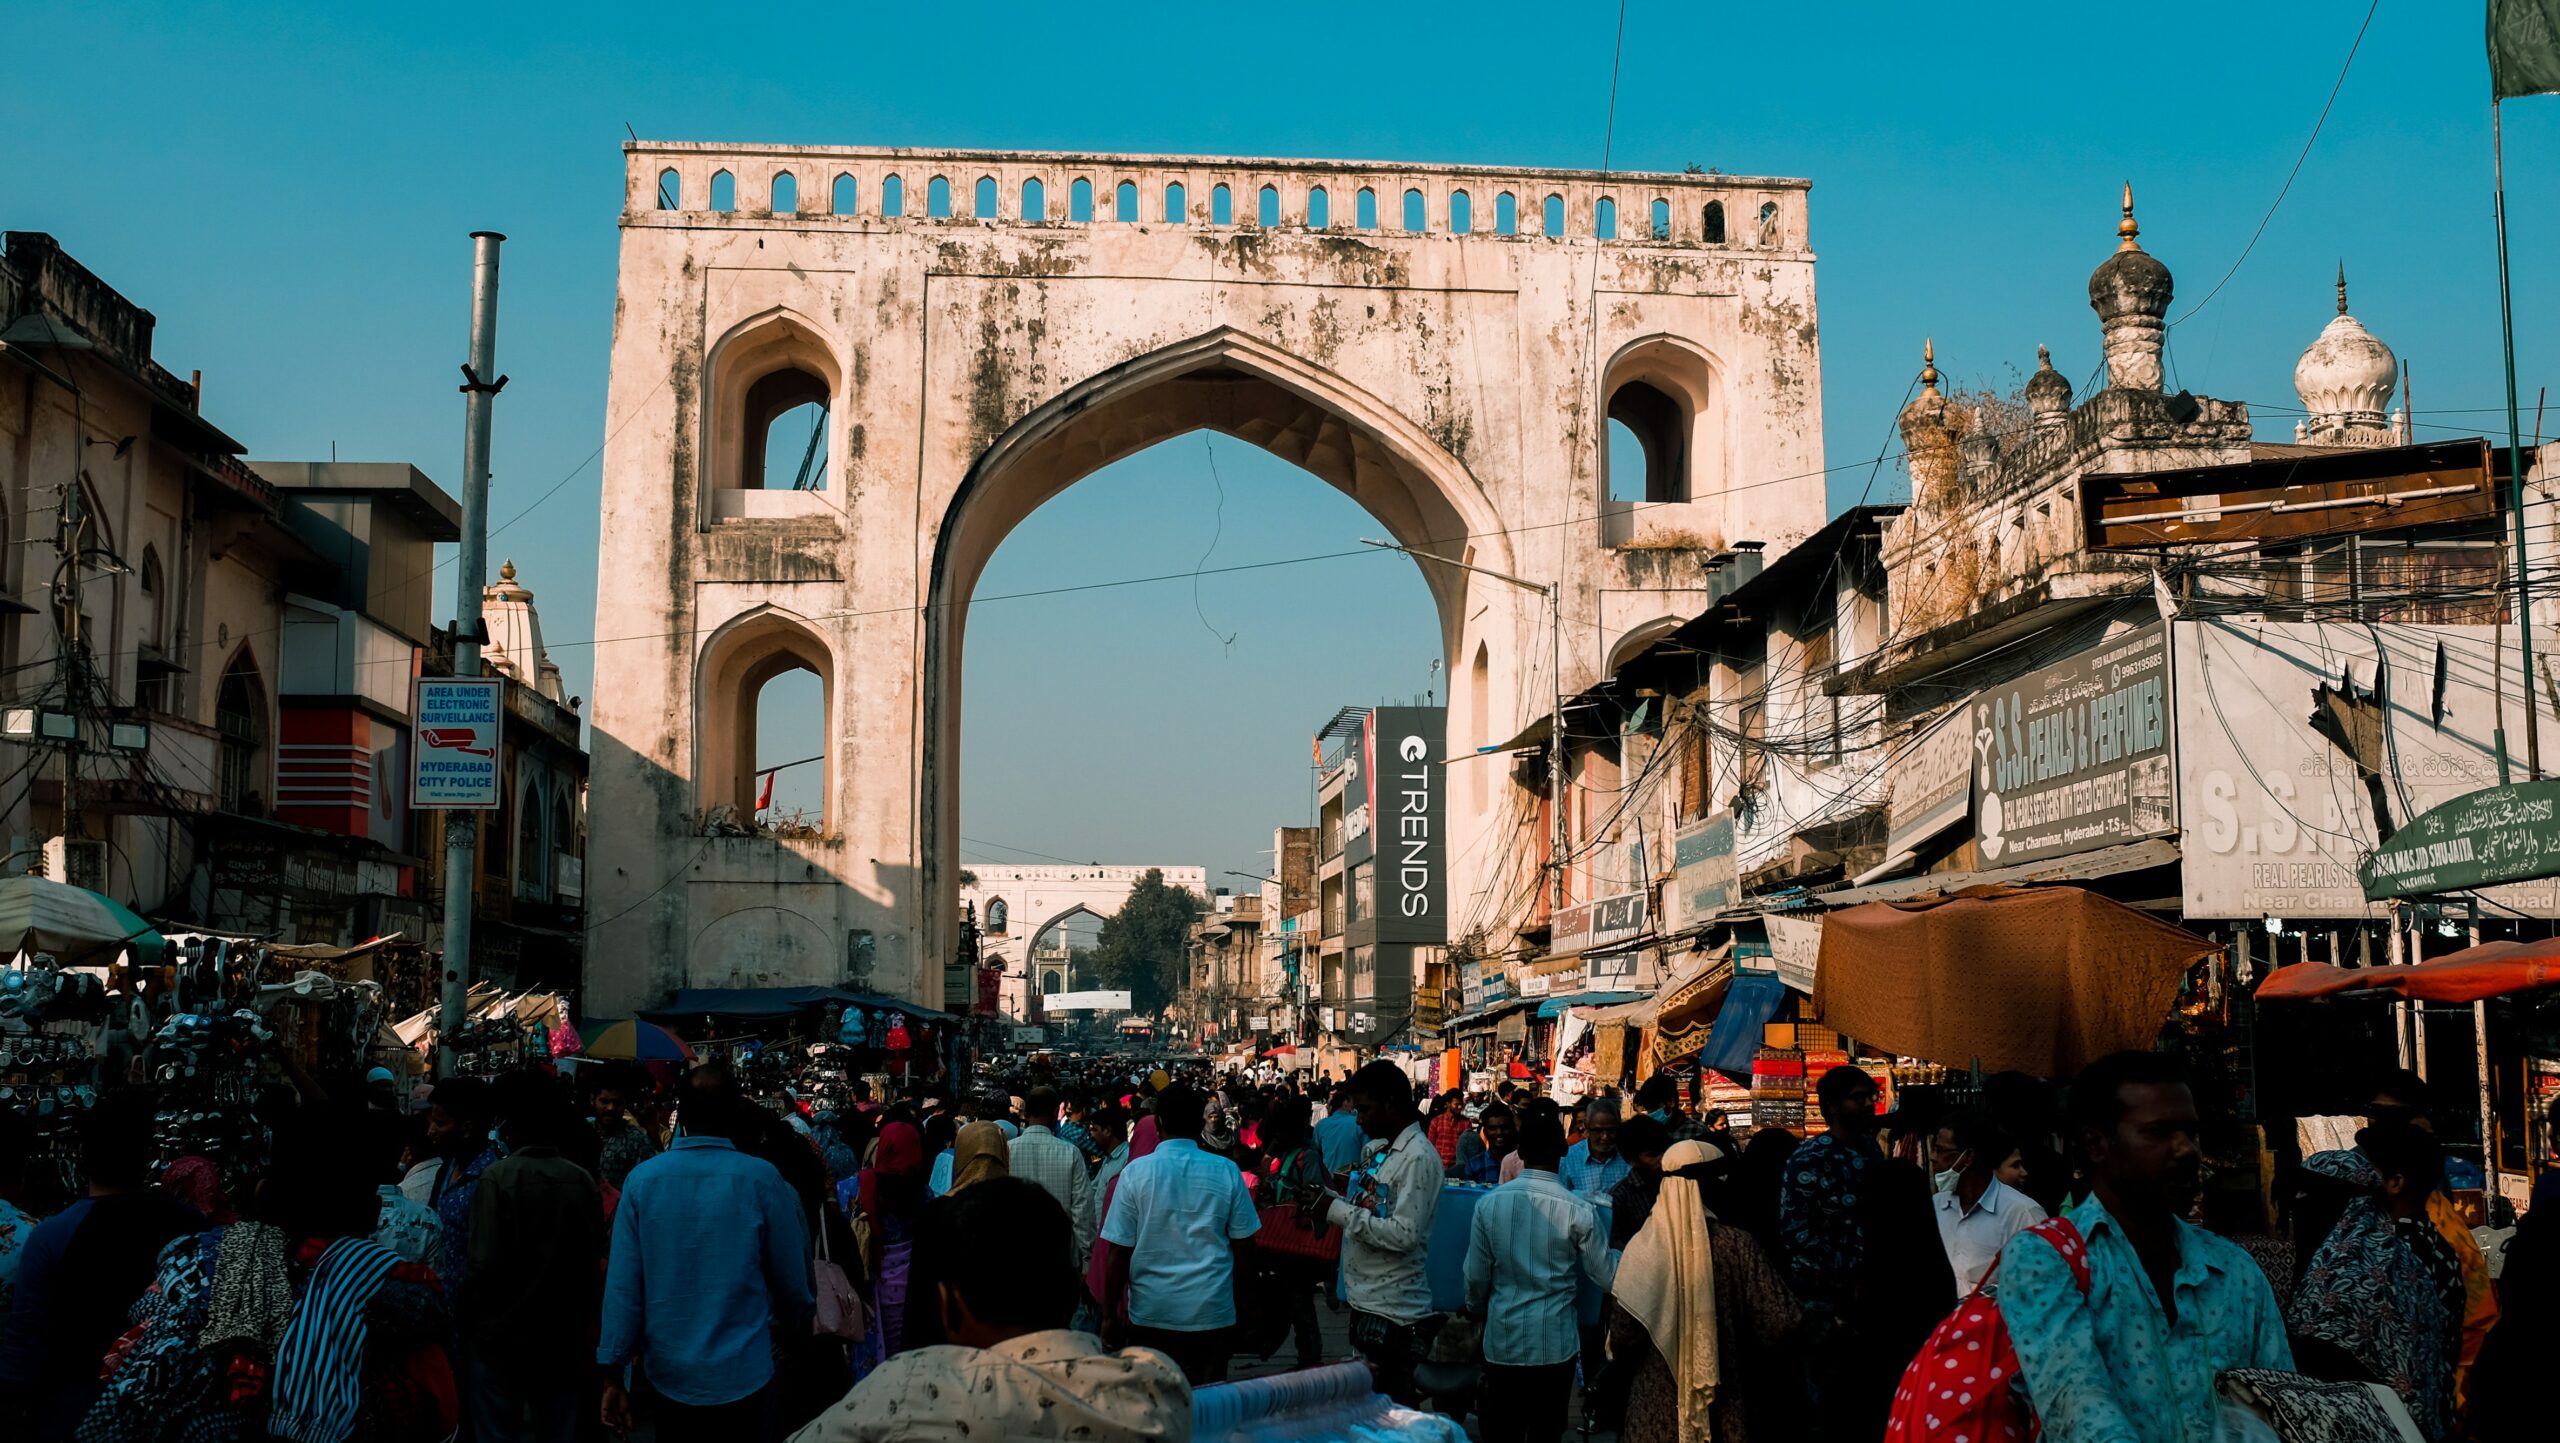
(2488, 1098)
(2399, 1009)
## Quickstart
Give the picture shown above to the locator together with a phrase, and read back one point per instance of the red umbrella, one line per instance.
(1285, 1049)
(2492, 969)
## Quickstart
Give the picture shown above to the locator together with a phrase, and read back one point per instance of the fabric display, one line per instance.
(1334, 1404)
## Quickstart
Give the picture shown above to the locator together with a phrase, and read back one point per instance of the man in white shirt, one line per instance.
(1042, 1156)
(1177, 1220)
(1386, 1232)
(1529, 1246)
(1977, 1213)
(1012, 1368)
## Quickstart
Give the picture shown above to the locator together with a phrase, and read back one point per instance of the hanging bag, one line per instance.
(1964, 1383)
(840, 1313)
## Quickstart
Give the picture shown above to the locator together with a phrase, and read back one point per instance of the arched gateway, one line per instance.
(966, 359)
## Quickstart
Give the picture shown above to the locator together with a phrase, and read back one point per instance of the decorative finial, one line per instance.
(2044, 358)
(2126, 227)
(1929, 363)
(2342, 288)
(507, 570)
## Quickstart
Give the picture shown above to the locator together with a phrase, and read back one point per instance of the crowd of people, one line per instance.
(1068, 1251)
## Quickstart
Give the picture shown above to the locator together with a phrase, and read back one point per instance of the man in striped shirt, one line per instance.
(1529, 1246)
(1042, 1156)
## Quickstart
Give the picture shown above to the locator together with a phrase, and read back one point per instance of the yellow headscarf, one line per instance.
(979, 1154)
(1667, 1282)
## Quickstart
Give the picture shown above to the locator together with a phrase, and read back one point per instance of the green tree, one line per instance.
(1142, 946)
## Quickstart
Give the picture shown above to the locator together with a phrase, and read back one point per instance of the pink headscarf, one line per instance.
(196, 1182)
(1142, 1140)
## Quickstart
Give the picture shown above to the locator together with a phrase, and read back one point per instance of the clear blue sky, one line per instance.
(290, 188)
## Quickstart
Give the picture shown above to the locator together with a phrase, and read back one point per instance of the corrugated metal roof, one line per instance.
(2079, 867)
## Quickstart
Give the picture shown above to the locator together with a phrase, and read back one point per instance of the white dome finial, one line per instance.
(2345, 379)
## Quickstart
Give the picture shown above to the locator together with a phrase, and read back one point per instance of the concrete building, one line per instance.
(980, 330)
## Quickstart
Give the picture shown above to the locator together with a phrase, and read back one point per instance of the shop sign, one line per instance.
(454, 764)
(1703, 871)
(1328, 1019)
(1613, 971)
(1795, 946)
(1030, 1036)
(1932, 783)
(1470, 985)
(2279, 823)
(1497, 986)
(1258, 1023)
(1598, 923)
(1536, 984)
(1086, 1002)
(2075, 756)
(2496, 834)
(1401, 787)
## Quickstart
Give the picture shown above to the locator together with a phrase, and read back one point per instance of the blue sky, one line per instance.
(289, 189)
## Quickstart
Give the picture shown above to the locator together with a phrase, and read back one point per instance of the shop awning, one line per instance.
(1555, 1006)
(1749, 1002)
(2079, 867)
(2041, 980)
(2492, 969)
(1685, 1013)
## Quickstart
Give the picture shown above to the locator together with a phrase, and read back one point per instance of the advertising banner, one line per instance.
(1795, 946)
(454, 765)
(1085, 1002)
(1932, 783)
(2075, 756)
(1597, 923)
(1704, 875)
(2496, 834)
(1576, 1041)
(1404, 756)
(2279, 820)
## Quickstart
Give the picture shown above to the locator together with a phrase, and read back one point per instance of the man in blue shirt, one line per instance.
(1178, 1219)
(1529, 1246)
(2168, 1306)
(1594, 1165)
(1338, 1136)
(1497, 1125)
(710, 1260)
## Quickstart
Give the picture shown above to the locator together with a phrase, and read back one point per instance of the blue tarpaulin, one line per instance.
(1555, 1006)
(1748, 1005)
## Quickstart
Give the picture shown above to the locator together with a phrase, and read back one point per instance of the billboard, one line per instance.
(1597, 923)
(1404, 782)
(2278, 818)
(1085, 1002)
(454, 763)
(2075, 756)
(1704, 873)
(1932, 783)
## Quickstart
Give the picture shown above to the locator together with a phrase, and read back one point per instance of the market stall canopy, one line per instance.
(764, 1004)
(637, 1041)
(1557, 1006)
(1749, 1003)
(2492, 969)
(2036, 980)
(1685, 1012)
(79, 927)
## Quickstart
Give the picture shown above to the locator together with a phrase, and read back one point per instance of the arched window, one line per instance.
(848, 195)
(1661, 219)
(1462, 213)
(1124, 202)
(1365, 209)
(1222, 205)
(772, 393)
(1080, 201)
(1035, 201)
(1657, 407)
(791, 452)
(1267, 206)
(1177, 204)
(997, 915)
(893, 196)
(1319, 208)
(1417, 215)
(786, 193)
(670, 190)
(152, 668)
(986, 197)
(1555, 215)
(240, 721)
(1480, 720)
(1711, 223)
(1506, 214)
(1604, 219)
(937, 198)
(1770, 232)
(564, 838)
(533, 860)
(724, 191)
(155, 590)
(766, 680)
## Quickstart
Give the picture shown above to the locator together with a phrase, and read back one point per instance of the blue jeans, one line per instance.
(510, 1403)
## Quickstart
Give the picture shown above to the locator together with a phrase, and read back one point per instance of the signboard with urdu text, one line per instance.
(1597, 923)
(2496, 834)
(2075, 756)
(1704, 873)
(1932, 783)
(454, 764)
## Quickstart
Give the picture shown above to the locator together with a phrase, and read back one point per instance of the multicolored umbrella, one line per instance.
(79, 927)
(637, 1041)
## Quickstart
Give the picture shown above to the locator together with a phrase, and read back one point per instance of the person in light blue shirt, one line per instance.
(710, 1260)
(2169, 1307)
(1594, 1165)
(1338, 1136)
(1178, 1217)
(1529, 1246)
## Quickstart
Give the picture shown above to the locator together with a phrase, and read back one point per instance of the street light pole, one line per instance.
(1555, 724)
(480, 385)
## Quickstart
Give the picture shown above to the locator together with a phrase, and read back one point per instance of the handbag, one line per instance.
(1285, 1231)
(840, 1312)
(1964, 1382)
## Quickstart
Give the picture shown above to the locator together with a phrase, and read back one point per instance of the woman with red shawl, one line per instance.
(891, 1192)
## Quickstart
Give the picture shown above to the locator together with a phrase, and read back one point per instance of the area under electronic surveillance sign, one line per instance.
(454, 762)
(1404, 761)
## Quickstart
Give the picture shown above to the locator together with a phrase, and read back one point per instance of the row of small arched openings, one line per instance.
(1128, 206)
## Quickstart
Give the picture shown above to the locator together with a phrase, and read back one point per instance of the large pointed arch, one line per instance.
(1239, 385)
(749, 650)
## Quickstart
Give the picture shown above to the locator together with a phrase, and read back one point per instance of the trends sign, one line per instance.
(1403, 774)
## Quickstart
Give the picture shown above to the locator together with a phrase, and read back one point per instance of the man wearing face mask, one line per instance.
(1977, 1213)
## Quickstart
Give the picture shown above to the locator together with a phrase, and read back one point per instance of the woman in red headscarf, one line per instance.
(892, 1194)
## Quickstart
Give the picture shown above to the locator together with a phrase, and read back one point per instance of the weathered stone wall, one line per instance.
(975, 367)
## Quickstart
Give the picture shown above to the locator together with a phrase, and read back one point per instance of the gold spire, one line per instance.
(1929, 363)
(2342, 288)
(507, 571)
(2126, 227)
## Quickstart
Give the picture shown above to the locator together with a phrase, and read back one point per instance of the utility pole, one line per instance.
(480, 387)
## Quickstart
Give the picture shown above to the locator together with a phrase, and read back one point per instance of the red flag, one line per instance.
(764, 798)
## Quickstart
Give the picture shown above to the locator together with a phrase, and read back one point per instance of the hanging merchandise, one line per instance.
(853, 1033)
(207, 1067)
(898, 1041)
(48, 1070)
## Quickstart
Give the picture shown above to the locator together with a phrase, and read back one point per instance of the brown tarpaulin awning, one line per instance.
(2041, 980)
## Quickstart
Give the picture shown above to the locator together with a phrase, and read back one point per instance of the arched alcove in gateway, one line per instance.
(1239, 390)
